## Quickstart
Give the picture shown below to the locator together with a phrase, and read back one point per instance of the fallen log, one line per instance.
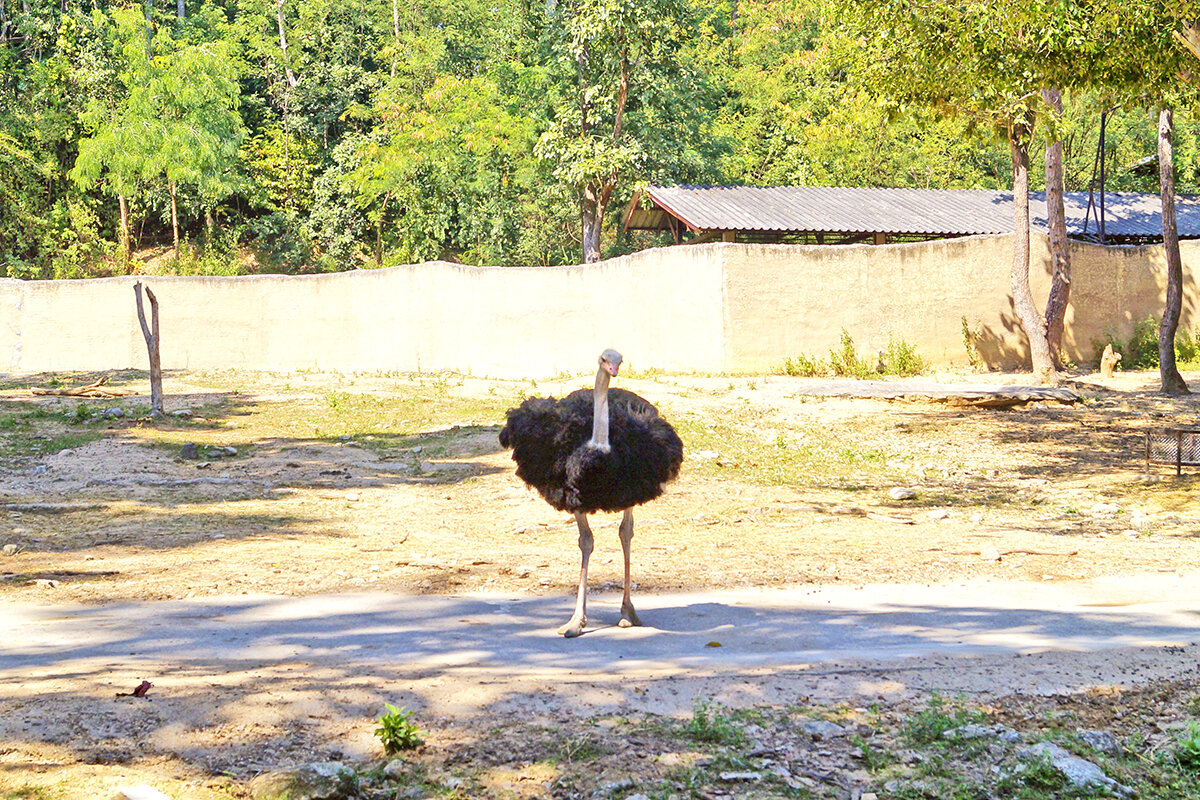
(97, 389)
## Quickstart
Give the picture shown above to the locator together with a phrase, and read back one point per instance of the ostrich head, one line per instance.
(610, 361)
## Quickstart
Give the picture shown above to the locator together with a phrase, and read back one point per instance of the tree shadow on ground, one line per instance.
(314, 672)
(85, 470)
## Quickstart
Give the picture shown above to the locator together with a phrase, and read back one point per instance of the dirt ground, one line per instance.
(1043, 492)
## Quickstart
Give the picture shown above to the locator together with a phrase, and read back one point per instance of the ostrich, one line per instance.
(592, 451)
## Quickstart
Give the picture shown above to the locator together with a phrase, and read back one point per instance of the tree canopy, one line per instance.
(278, 135)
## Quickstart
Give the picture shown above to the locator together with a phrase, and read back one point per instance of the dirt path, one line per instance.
(336, 487)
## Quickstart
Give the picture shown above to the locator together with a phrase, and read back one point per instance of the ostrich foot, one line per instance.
(629, 617)
(574, 627)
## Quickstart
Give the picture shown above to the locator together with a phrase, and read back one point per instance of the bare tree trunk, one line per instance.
(150, 332)
(1060, 253)
(174, 192)
(180, 9)
(593, 218)
(123, 202)
(597, 194)
(379, 230)
(146, 9)
(1033, 322)
(283, 45)
(395, 33)
(1172, 381)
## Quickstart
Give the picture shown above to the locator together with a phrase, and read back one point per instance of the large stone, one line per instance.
(323, 781)
(1079, 772)
(821, 729)
(1102, 741)
(976, 731)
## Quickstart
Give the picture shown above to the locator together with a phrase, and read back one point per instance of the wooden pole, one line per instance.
(150, 332)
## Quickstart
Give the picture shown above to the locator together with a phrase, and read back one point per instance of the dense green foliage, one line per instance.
(316, 136)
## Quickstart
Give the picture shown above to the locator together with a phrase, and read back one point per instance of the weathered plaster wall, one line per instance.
(787, 300)
(712, 307)
(661, 307)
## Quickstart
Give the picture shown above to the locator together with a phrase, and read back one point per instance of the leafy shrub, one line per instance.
(1187, 348)
(802, 366)
(900, 358)
(218, 255)
(397, 732)
(279, 242)
(1140, 351)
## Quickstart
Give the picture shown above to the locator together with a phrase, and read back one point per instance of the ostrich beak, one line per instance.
(612, 368)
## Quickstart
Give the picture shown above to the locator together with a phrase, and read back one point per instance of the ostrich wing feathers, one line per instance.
(549, 438)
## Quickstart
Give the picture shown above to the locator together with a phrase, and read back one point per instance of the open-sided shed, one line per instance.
(836, 215)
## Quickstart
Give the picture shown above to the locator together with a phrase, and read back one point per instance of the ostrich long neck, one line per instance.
(600, 411)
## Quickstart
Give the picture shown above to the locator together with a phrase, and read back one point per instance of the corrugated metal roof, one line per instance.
(933, 212)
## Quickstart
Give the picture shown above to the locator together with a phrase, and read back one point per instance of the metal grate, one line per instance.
(1178, 446)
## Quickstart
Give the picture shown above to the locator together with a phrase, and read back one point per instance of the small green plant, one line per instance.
(928, 725)
(83, 413)
(1036, 778)
(710, 724)
(970, 342)
(845, 362)
(581, 748)
(1187, 747)
(873, 758)
(397, 732)
(900, 358)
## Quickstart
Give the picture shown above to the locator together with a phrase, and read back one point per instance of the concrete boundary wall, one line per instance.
(718, 307)
(661, 307)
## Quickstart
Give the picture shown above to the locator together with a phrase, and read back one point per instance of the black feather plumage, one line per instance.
(549, 439)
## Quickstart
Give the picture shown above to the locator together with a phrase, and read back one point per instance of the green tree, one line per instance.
(178, 123)
(988, 61)
(1142, 58)
(55, 62)
(455, 168)
(798, 112)
(624, 99)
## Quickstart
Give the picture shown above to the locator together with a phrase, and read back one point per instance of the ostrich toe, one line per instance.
(574, 627)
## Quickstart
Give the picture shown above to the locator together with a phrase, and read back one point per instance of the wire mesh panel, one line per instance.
(1178, 446)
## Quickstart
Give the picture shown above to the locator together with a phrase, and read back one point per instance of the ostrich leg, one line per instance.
(578, 620)
(629, 617)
